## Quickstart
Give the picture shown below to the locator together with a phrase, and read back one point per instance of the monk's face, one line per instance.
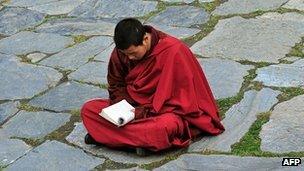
(138, 52)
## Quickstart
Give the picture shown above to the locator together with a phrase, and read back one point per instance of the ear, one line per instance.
(145, 39)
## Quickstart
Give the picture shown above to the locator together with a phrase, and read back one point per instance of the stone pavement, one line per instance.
(54, 54)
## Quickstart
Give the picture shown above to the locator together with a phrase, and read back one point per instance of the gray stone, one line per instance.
(92, 72)
(181, 1)
(129, 169)
(238, 120)
(18, 44)
(119, 9)
(285, 130)
(35, 57)
(12, 149)
(224, 76)
(247, 6)
(77, 137)
(34, 124)
(54, 155)
(12, 20)
(222, 162)
(28, 3)
(183, 16)
(7, 110)
(78, 26)
(267, 38)
(21, 80)
(106, 54)
(282, 75)
(76, 56)
(68, 96)
(57, 7)
(178, 32)
(295, 4)
(202, 1)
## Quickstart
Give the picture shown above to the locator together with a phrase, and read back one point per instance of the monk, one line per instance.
(162, 79)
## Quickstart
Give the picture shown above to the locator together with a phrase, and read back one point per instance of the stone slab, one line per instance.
(11, 150)
(34, 125)
(247, 6)
(35, 57)
(57, 7)
(119, 9)
(28, 3)
(179, 1)
(265, 39)
(178, 32)
(285, 130)
(238, 120)
(54, 155)
(92, 72)
(106, 54)
(40, 42)
(224, 76)
(181, 16)
(78, 26)
(295, 4)
(20, 80)
(7, 110)
(13, 20)
(68, 96)
(76, 56)
(77, 137)
(282, 75)
(222, 162)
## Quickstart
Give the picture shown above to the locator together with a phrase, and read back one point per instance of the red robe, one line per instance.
(169, 89)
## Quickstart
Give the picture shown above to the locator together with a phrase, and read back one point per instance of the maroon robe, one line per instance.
(170, 92)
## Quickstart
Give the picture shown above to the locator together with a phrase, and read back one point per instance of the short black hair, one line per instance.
(128, 31)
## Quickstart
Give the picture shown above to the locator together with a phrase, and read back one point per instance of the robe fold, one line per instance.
(173, 101)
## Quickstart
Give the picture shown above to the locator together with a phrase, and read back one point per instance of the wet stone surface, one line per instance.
(13, 20)
(11, 150)
(54, 155)
(238, 120)
(224, 76)
(68, 96)
(78, 26)
(77, 55)
(40, 42)
(284, 131)
(34, 79)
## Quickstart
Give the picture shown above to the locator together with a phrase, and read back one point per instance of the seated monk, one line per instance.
(162, 79)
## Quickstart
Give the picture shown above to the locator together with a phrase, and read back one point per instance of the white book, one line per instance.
(119, 113)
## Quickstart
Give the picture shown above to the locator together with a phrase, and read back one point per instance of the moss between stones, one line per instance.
(289, 93)
(111, 165)
(297, 50)
(208, 6)
(26, 107)
(160, 7)
(30, 141)
(5, 2)
(227, 103)
(80, 38)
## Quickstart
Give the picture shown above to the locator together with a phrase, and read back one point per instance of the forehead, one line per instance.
(131, 49)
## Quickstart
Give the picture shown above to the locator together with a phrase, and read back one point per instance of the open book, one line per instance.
(119, 113)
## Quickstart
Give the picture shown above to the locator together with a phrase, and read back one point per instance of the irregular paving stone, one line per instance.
(201, 1)
(28, 3)
(34, 124)
(184, 1)
(222, 162)
(7, 109)
(78, 26)
(57, 7)
(129, 169)
(77, 138)
(178, 32)
(21, 80)
(12, 149)
(108, 9)
(247, 6)
(184, 16)
(295, 4)
(40, 42)
(35, 57)
(238, 120)
(12, 20)
(92, 72)
(285, 130)
(68, 96)
(282, 75)
(106, 54)
(224, 76)
(54, 155)
(267, 38)
(76, 56)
